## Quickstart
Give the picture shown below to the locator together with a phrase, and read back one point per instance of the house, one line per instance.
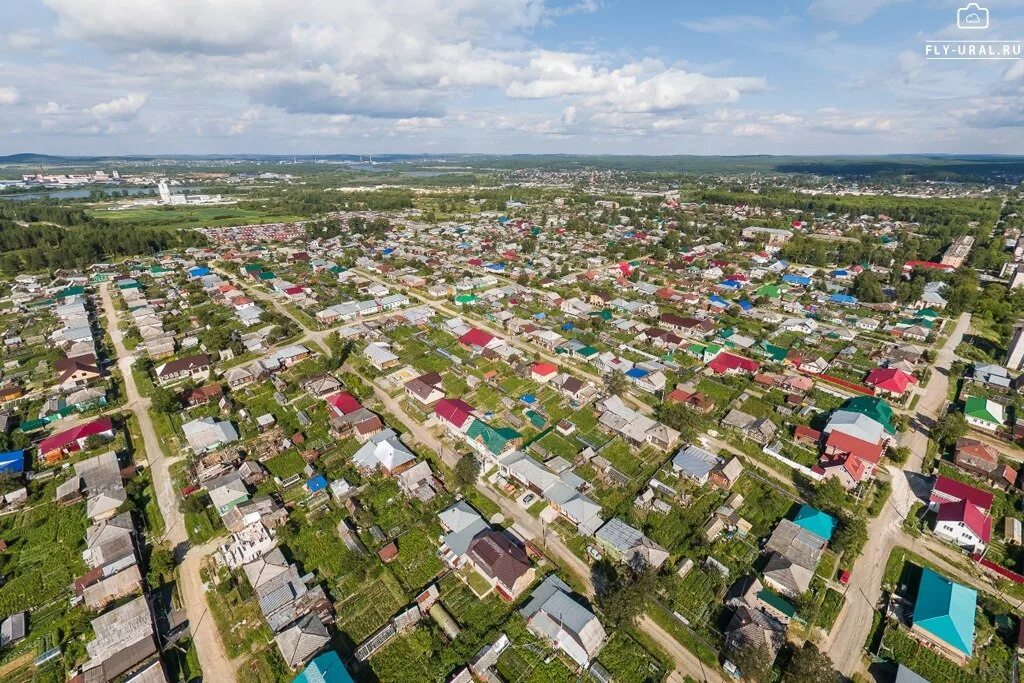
(12, 463)
(891, 381)
(454, 414)
(946, 490)
(325, 668)
(752, 628)
(726, 363)
(724, 476)
(76, 371)
(227, 492)
(944, 613)
(794, 553)
(302, 640)
(760, 430)
(983, 413)
(492, 442)
(195, 368)
(125, 640)
(964, 524)
(543, 372)
(206, 434)
(502, 563)
(55, 447)
(633, 426)
(462, 524)
(426, 389)
(976, 457)
(815, 521)
(384, 451)
(630, 545)
(202, 395)
(695, 463)
(380, 356)
(555, 616)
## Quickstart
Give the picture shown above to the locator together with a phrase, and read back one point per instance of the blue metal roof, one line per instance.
(817, 522)
(637, 373)
(12, 462)
(946, 610)
(796, 279)
(325, 668)
(317, 483)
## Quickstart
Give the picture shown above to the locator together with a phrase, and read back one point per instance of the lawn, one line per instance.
(285, 465)
(628, 661)
(190, 217)
(763, 505)
(43, 555)
(831, 605)
(417, 562)
(555, 444)
(377, 600)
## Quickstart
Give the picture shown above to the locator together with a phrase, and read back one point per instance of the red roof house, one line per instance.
(730, 363)
(542, 372)
(841, 443)
(948, 490)
(849, 469)
(476, 337)
(54, 447)
(455, 412)
(954, 519)
(343, 403)
(891, 380)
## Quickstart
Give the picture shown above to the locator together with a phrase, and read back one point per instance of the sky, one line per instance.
(503, 76)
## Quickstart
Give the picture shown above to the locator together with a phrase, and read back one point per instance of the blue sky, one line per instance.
(506, 76)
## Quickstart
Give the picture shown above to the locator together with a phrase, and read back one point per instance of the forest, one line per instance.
(66, 237)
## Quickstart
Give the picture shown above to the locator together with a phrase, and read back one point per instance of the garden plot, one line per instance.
(417, 562)
(366, 610)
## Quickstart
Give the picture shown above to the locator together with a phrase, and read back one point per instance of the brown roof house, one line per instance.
(426, 389)
(196, 368)
(502, 563)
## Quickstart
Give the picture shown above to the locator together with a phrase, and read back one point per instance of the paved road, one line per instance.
(212, 656)
(845, 642)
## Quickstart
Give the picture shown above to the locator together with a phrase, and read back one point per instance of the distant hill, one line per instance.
(936, 167)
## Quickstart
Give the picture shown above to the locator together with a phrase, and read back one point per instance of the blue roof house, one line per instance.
(944, 614)
(325, 668)
(199, 271)
(844, 299)
(12, 462)
(817, 522)
(800, 280)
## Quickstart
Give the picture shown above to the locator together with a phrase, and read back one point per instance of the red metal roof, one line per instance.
(950, 490)
(476, 337)
(864, 450)
(544, 369)
(892, 380)
(454, 410)
(970, 514)
(66, 438)
(344, 402)
(725, 361)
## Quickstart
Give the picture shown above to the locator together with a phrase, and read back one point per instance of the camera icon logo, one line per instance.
(973, 16)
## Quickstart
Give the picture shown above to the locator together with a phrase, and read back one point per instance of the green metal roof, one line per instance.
(875, 408)
(586, 351)
(778, 602)
(982, 408)
(817, 522)
(494, 439)
(946, 610)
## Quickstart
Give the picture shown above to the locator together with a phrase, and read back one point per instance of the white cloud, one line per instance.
(121, 108)
(849, 12)
(9, 95)
(738, 23)
(50, 107)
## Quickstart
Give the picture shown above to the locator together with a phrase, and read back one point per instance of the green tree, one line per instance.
(810, 665)
(165, 401)
(867, 287)
(616, 383)
(753, 661)
(623, 596)
(467, 469)
(948, 429)
(161, 565)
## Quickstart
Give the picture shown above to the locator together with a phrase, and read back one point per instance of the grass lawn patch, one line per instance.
(417, 562)
(628, 661)
(285, 465)
(367, 610)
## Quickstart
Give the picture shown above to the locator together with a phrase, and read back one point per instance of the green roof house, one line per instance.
(769, 291)
(817, 522)
(325, 668)
(587, 352)
(875, 408)
(776, 353)
(944, 614)
(983, 413)
(465, 299)
(492, 441)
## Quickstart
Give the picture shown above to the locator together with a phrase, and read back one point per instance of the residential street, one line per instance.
(846, 641)
(212, 656)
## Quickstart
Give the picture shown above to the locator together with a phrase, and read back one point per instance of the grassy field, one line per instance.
(191, 216)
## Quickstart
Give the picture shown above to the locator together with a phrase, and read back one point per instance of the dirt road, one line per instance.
(845, 642)
(212, 656)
